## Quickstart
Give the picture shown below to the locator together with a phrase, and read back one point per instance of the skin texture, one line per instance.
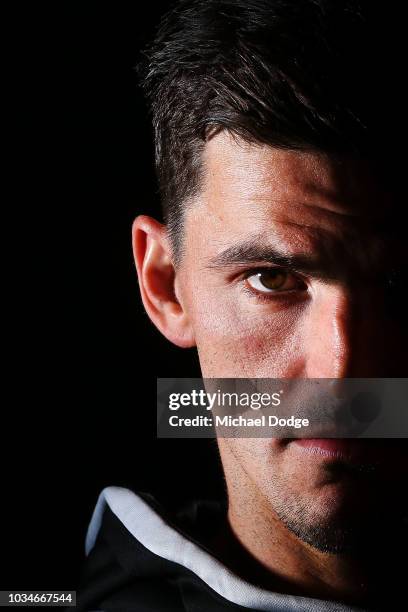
(298, 521)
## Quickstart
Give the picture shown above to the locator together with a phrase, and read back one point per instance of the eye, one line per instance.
(274, 280)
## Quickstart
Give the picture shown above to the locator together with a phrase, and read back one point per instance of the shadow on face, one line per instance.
(287, 262)
(293, 266)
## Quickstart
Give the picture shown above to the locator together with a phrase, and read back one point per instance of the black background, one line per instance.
(82, 358)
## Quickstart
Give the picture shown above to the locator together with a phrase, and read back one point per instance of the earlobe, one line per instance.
(156, 274)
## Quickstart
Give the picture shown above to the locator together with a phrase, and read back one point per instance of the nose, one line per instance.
(346, 336)
(327, 342)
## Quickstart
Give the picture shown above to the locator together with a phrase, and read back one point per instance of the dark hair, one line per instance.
(297, 74)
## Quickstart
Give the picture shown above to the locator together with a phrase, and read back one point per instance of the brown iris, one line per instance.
(268, 281)
(273, 279)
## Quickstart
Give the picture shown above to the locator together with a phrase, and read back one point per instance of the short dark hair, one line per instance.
(295, 74)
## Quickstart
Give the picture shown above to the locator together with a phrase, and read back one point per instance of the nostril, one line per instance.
(365, 407)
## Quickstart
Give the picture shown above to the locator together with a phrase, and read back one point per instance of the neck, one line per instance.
(257, 546)
(289, 563)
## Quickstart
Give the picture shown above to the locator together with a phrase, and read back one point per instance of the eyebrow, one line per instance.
(253, 251)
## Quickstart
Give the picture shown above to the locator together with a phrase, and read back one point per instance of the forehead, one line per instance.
(259, 176)
(293, 197)
(298, 203)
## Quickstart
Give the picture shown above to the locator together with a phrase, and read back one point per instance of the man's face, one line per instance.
(285, 260)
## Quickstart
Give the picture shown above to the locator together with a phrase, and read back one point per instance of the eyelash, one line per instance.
(266, 297)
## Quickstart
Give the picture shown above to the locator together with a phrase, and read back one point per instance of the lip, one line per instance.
(360, 451)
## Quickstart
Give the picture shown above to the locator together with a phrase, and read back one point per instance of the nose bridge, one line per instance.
(351, 334)
(341, 336)
(330, 339)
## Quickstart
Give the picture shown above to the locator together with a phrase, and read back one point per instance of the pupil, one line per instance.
(272, 280)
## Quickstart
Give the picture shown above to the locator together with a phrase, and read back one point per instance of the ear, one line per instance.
(156, 274)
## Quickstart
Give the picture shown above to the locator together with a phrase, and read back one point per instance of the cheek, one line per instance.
(237, 338)
(253, 467)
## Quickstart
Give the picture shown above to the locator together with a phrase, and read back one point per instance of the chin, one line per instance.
(333, 518)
